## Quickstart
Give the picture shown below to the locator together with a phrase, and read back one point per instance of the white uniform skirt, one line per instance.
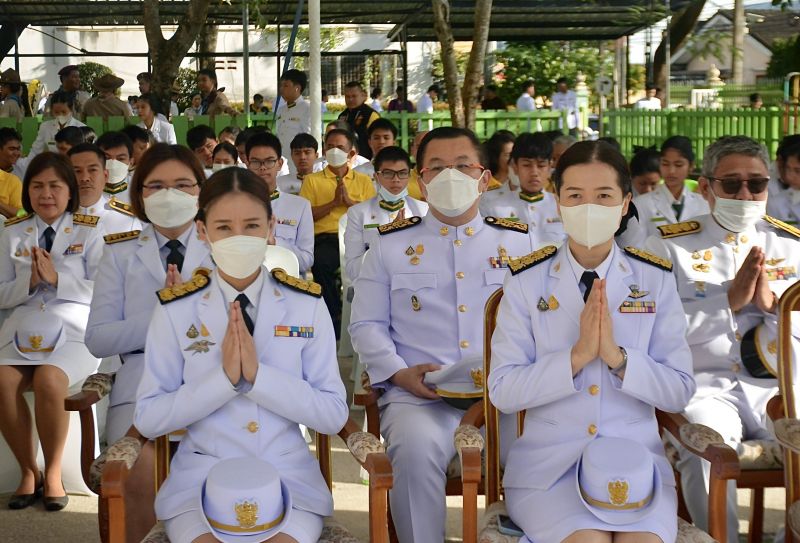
(550, 516)
(73, 358)
(302, 526)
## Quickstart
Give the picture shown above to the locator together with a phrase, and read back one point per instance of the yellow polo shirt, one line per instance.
(320, 188)
(413, 187)
(10, 189)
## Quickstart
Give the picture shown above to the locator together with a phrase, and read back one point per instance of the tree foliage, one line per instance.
(785, 57)
(90, 71)
(187, 83)
(545, 62)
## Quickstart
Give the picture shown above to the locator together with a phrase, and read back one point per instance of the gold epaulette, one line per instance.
(115, 188)
(121, 207)
(198, 282)
(17, 220)
(396, 226)
(786, 227)
(507, 224)
(307, 287)
(85, 220)
(121, 236)
(679, 229)
(517, 265)
(650, 258)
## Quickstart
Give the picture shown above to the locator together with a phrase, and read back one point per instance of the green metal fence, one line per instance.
(732, 96)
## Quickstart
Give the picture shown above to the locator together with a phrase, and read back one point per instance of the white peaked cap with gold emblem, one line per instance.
(244, 501)
(618, 481)
(459, 384)
(39, 334)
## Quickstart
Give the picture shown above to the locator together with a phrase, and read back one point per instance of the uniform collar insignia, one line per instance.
(531, 198)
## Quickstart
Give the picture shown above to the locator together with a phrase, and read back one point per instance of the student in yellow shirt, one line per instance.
(10, 184)
(331, 192)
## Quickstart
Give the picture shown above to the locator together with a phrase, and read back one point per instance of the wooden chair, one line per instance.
(367, 450)
(489, 533)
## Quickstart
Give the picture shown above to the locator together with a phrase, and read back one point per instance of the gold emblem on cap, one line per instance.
(476, 374)
(618, 492)
(415, 305)
(246, 513)
(192, 332)
(772, 347)
(35, 341)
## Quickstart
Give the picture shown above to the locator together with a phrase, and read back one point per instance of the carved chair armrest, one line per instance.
(704, 442)
(469, 446)
(94, 388)
(120, 458)
(370, 453)
(788, 433)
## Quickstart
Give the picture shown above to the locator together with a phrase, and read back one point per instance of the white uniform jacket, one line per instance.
(655, 209)
(531, 366)
(706, 260)
(294, 227)
(162, 131)
(363, 220)
(420, 294)
(290, 183)
(298, 382)
(291, 120)
(114, 216)
(130, 274)
(490, 197)
(76, 253)
(46, 138)
(783, 203)
(541, 216)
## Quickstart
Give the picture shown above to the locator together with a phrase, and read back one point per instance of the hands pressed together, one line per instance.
(42, 268)
(597, 332)
(341, 198)
(751, 285)
(239, 358)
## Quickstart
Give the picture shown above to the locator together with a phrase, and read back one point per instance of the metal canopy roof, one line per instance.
(511, 19)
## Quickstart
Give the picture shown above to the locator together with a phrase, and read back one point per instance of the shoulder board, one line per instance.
(121, 207)
(198, 282)
(85, 220)
(650, 258)
(517, 265)
(679, 229)
(786, 227)
(396, 226)
(507, 224)
(116, 188)
(17, 220)
(307, 287)
(121, 236)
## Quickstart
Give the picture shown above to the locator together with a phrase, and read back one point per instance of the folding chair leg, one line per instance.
(756, 532)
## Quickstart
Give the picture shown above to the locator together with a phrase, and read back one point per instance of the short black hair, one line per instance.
(225, 147)
(528, 84)
(208, 72)
(153, 101)
(233, 130)
(88, 148)
(375, 93)
(231, 181)
(646, 161)
(755, 97)
(263, 139)
(304, 141)
(351, 138)
(136, 133)
(682, 144)
(789, 147)
(587, 152)
(612, 141)
(562, 80)
(89, 135)
(64, 170)
(434, 88)
(248, 133)
(63, 97)
(494, 147)
(382, 124)
(72, 135)
(340, 124)
(537, 145)
(448, 133)
(391, 154)
(9, 134)
(297, 77)
(354, 85)
(112, 140)
(324, 92)
(257, 96)
(197, 135)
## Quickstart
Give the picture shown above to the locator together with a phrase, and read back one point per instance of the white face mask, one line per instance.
(169, 208)
(117, 171)
(63, 119)
(738, 215)
(217, 167)
(591, 225)
(239, 256)
(336, 157)
(452, 192)
(387, 196)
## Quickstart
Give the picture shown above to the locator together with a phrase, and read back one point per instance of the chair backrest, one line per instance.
(281, 257)
(789, 302)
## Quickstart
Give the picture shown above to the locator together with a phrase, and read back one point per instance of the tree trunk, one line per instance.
(474, 72)
(737, 52)
(207, 43)
(441, 25)
(681, 27)
(167, 54)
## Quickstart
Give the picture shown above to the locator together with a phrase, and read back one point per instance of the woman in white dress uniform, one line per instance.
(589, 340)
(49, 258)
(161, 130)
(63, 107)
(256, 387)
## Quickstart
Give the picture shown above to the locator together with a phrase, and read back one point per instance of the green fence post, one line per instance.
(181, 126)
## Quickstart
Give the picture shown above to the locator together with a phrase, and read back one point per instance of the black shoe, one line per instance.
(22, 501)
(58, 503)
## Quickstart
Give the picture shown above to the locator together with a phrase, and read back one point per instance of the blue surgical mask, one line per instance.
(387, 196)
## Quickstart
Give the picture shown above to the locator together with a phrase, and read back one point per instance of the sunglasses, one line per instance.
(732, 185)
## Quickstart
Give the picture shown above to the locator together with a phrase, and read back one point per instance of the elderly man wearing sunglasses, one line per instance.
(731, 266)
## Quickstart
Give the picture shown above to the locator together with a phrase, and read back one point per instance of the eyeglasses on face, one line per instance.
(472, 170)
(269, 163)
(388, 175)
(732, 185)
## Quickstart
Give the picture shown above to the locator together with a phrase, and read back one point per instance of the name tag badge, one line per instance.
(294, 331)
(288, 222)
(74, 249)
(637, 307)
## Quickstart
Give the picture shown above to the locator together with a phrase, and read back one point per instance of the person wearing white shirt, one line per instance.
(649, 102)
(376, 99)
(61, 106)
(525, 102)
(565, 99)
(784, 187)
(425, 103)
(293, 115)
(162, 130)
(304, 152)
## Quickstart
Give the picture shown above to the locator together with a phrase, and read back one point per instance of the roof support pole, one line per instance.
(246, 59)
(315, 69)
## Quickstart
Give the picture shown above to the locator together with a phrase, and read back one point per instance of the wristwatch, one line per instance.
(621, 368)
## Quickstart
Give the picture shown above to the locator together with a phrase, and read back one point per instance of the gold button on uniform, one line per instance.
(462, 308)
(594, 390)
(459, 275)
(252, 427)
(592, 429)
(464, 344)
(458, 243)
